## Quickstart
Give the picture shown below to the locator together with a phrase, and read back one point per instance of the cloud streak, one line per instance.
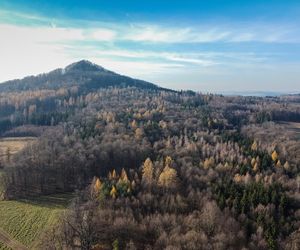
(154, 33)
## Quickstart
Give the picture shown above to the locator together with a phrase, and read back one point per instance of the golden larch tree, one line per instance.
(168, 178)
(254, 146)
(97, 185)
(274, 155)
(168, 161)
(209, 162)
(124, 176)
(113, 192)
(147, 171)
(255, 167)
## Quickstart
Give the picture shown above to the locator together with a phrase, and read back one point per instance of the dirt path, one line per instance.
(7, 240)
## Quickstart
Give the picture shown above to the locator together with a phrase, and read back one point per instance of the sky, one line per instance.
(217, 46)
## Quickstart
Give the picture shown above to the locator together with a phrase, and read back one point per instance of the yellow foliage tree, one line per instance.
(254, 146)
(147, 171)
(209, 162)
(97, 185)
(114, 174)
(255, 167)
(274, 155)
(168, 161)
(237, 178)
(253, 161)
(113, 192)
(124, 176)
(168, 178)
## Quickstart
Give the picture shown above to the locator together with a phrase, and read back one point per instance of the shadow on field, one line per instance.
(57, 201)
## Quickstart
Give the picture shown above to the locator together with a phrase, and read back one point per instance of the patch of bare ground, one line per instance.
(12, 145)
(10, 242)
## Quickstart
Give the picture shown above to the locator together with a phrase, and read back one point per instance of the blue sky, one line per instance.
(208, 46)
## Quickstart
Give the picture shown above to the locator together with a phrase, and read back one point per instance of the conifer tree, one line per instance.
(147, 171)
(97, 185)
(274, 156)
(254, 146)
(168, 177)
(124, 177)
(286, 165)
(113, 192)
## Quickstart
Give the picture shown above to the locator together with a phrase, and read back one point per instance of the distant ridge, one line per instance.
(256, 93)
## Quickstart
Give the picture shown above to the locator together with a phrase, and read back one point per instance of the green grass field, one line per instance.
(4, 247)
(26, 220)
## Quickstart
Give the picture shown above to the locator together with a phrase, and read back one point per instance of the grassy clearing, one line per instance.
(1, 184)
(12, 145)
(4, 247)
(291, 128)
(27, 220)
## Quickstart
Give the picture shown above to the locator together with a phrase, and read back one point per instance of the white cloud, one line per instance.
(150, 33)
(136, 69)
(193, 58)
(102, 35)
(161, 34)
(221, 33)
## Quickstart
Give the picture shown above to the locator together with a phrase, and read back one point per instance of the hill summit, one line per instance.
(84, 66)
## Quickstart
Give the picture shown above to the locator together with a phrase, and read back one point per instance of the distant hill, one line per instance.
(258, 93)
(87, 75)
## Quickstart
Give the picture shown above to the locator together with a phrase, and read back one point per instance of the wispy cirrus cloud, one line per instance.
(247, 32)
(160, 34)
(154, 33)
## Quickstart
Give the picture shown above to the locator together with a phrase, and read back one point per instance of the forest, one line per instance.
(153, 168)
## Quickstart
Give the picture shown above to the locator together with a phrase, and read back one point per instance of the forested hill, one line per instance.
(152, 168)
(86, 75)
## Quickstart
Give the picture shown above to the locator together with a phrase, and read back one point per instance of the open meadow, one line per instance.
(12, 145)
(26, 221)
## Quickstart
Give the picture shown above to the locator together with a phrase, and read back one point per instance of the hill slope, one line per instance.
(85, 74)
